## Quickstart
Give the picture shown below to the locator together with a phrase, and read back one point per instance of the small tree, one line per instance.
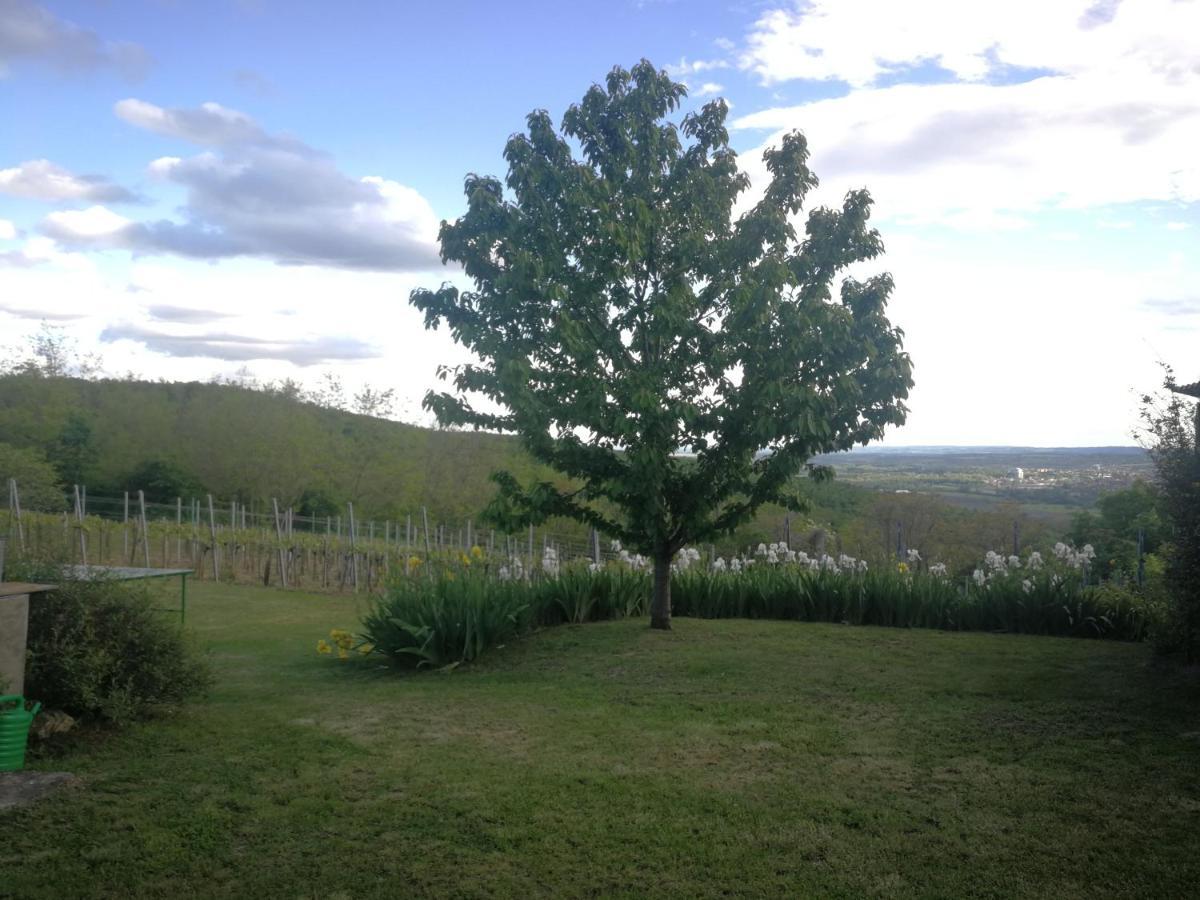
(51, 354)
(1171, 427)
(75, 449)
(679, 364)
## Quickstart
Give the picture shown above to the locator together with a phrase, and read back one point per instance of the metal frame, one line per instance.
(133, 573)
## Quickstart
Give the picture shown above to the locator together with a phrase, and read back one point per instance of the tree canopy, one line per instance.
(679, 361)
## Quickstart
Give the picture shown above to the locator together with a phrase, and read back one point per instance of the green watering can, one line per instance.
(15, 720)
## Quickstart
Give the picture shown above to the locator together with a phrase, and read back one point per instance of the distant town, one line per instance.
(1050, 481)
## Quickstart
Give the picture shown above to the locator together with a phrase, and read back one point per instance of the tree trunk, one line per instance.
(660, 602)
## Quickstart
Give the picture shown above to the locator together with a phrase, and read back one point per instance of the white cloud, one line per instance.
(164, 166)
(209, 123)
(8, 231)
(233, 347)
(31, 32)
(262, 195)
(96, 223)
(927, 151)
(40, 179)
(708, 89)
(684, 68)
(858, 41)
(1178, 226)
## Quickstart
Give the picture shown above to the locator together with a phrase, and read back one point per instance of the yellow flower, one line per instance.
(323, 647)
(342, 654)
(466, 560)
(364, 649)
(477, 552)
(902, 568)
(414, 561)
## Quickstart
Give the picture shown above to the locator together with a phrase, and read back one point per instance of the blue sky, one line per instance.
(190, 188)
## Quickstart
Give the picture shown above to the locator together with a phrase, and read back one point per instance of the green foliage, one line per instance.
(315, 504)
(74, 451)
(37, 480)
(1172, 427)
(162, 481)
(457, 613)
(98, 650)
(1113, 528)
(618, 296)
(453, 615)
(449, 619)
(937, 528)
(577, 595)
(913, 601)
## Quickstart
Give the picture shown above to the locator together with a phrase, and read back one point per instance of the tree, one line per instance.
(316, 504)
(74, 451)
(1113, 531)
(37, 481)
(51, 354)
(162, 481)
(679, 364)
(1171, 429)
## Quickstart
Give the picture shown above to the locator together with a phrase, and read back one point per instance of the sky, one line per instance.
(193, 189)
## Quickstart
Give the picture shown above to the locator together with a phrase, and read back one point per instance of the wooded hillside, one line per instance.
(250, 445)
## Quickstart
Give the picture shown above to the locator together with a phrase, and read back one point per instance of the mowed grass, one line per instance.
(726, 758)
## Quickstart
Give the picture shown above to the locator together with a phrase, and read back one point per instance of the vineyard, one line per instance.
(232, 542)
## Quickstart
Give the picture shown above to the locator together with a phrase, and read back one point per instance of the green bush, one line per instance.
(451, 618)
(98, 651)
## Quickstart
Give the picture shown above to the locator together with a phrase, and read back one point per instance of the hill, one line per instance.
(174, 439)
(252, 445)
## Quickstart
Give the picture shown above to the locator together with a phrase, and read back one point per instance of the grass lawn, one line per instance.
(726, 758)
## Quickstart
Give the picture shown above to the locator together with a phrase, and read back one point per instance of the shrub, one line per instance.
(97, 650)
(447, 619)
(1172, 433)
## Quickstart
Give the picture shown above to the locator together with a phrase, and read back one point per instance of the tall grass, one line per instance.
(1064, 607)
(456, 615)
(577, 595)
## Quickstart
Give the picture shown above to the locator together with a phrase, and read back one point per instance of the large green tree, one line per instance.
(678, 362)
